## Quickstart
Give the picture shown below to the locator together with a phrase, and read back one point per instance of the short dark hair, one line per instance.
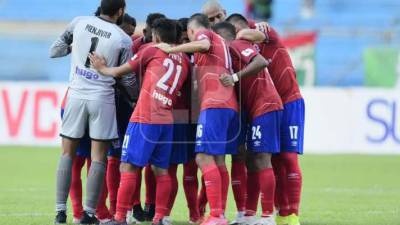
(152, 17)
(111, 7)
(129, 20)
(225, 27)
(183, 22)
(236, 17)
(200, 19)
(98, 11)
(179, 31)
(165, 29)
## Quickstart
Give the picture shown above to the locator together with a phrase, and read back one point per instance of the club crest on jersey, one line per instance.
(162, 98)
(86, 73)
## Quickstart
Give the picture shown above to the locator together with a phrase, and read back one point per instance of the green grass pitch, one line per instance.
(338, 189)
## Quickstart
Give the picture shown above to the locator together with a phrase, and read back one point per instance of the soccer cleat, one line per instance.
(89, 218)
(211, 220)
(138, 213)
(250, 220)
(282, 220)
(166, 220)
(149, 211)
(266, 221)
(76, 220)
(239, 220)
(61, 218)
(113, 222)
(196, 221)
(293, 219)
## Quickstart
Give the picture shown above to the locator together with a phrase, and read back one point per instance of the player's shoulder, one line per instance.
(240, 43)
(79, 19)
(125, 39)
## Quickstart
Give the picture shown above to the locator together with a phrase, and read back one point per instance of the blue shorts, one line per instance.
(180, 147)
(124, 112)
(263, 133)
(217, 132)
(147, 143)
(84, 147)
(292, 127)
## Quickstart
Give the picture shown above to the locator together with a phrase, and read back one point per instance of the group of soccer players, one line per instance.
(188, 91)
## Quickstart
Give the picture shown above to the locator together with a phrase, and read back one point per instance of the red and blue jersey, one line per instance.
(209, 66)
(162, 76)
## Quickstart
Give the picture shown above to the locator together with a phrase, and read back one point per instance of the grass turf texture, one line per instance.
(338, 189)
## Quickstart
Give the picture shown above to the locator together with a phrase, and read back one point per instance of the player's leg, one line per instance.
(220, 161)
(292, 136)
(82, 153)
(263, 141)
(239, 183)
(191, 188)
(138, 213)
(113, 178)
(281, 200)
(76, 188)
(150, 197)
(136, 153)
(160, 161)
(253, 189)
(239, 172)
(72, 129)
(213, 135)
(174, 187)
(102, 131)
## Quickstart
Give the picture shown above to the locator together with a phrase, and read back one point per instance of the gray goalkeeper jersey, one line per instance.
(88, 34)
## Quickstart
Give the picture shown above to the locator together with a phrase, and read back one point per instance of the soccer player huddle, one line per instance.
(189, 91)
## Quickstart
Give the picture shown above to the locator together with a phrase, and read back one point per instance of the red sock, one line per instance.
(102, 210)
(294, 180)
(75, 190)
(113, 177)
(191, 187)
(136, 195)
(212, 181)
(224, 185)
(150, 181)
(239, 179)
(253, 191)
(266, 180)
(125, 192)
(163, 193)
(174, 187)
(281, 200)
(202, 199)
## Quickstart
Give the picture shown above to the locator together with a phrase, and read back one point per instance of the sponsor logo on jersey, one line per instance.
(86, 73)
(162, 98)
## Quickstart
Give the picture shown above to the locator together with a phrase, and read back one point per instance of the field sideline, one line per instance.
(338, 189)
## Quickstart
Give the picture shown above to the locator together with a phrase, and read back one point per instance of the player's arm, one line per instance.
(252, 35)
(191, 47)
(62, 46)
(99, 63)
(128, 83)
(257, 64)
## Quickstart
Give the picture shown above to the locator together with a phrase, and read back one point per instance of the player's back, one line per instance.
(162, 76)
(280, 67)
(208, 68)
(257, 92)
(106, 39)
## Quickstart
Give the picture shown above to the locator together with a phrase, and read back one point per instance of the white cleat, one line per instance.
(266, 221)
(130, 219)
(239, 219)
(166, 220)
(250, 220)
(76, 220)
